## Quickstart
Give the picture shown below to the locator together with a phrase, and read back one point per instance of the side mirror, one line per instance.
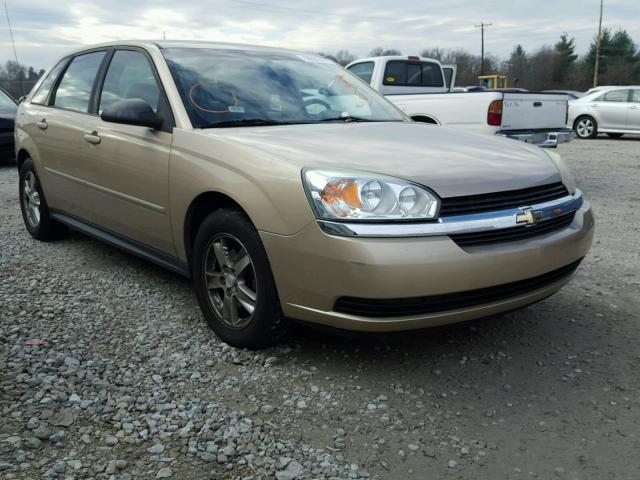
(132, 111)
(22, 99)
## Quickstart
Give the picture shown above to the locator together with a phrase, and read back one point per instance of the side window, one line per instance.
(363, 70)
(129, 76)
(635, 96)
(74, 90)
(448, 75)
(42, 93)
(615, 96)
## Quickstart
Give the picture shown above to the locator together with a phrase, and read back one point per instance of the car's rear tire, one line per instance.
(233, 281)
(615, 135)
(586, 127)
(35, 211)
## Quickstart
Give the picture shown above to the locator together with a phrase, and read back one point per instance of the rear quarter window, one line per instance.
(402, 73)
(42, 93)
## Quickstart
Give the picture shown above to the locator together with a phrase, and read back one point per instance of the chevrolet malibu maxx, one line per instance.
(285, 187)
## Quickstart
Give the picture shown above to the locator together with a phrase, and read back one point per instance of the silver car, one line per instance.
(611, 110)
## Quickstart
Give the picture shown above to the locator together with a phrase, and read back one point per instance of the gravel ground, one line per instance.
(132, 385)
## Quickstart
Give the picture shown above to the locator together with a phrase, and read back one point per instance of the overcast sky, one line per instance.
(45, 29)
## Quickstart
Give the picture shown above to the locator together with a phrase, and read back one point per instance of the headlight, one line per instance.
(364, 196)
(565, 174)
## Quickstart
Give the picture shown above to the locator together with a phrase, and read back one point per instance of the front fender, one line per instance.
(268, 190)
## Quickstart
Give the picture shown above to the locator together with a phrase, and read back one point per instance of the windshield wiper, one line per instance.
(244, 122)
(347, 119)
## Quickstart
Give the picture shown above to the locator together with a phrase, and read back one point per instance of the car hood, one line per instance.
(450, 162)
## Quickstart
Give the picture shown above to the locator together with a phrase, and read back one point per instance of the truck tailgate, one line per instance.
(529, 111)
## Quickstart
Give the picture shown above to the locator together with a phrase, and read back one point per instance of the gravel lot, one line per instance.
(132, 385)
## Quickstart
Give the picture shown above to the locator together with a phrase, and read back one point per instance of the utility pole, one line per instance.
(597, 67)
(482, 26)
(15, 53)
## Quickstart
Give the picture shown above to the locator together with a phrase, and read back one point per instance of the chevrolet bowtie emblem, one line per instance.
(528, 216)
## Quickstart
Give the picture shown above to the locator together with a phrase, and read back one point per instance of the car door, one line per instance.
(128, 188)
(633, 116)
(611, 110)
(59, 122)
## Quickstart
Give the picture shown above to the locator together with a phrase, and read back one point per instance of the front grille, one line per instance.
(501, 200)
(450, 301)
(512, 234)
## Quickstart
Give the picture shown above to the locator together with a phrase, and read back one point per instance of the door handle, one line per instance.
(92, 137)
(42, 124)
(635, 107)
(594, 105)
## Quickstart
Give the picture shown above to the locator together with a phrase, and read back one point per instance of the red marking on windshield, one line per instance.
(351, 86)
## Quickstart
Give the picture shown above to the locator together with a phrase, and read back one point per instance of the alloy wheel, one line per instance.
(31, 199)
(230, 280)
(584, 127)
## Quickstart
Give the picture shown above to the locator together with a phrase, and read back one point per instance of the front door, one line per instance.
(129, 185)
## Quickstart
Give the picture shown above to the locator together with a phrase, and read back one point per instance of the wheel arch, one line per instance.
(425, 119)
(21, 157)
(199, 208)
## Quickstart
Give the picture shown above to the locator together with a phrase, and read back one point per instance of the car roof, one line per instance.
(160, 44)
(394, 57)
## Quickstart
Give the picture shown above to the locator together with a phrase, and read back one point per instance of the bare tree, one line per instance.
(381, 52)
(344, 57)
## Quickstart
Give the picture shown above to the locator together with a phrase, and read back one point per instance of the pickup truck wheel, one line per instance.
(35, 211)
(233, 281)
(615, 135)
(586, 127)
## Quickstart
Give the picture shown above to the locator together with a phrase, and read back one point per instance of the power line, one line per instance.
(482, 27)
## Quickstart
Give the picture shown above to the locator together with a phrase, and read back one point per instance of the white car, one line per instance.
(611, 110)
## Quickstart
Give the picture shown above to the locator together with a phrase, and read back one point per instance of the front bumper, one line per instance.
(541, 138)
(313, 270)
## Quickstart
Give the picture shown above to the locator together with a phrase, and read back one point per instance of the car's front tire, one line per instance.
(586, 127)
(35, 211)
(233, 281)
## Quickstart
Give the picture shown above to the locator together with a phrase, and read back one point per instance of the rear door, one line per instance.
(59, 127)
(633, 118)
(533, 111)
(611, 109)
(129, 183)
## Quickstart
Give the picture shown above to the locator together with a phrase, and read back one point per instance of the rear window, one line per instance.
(363, 70)
(402, 73)
(42, 93)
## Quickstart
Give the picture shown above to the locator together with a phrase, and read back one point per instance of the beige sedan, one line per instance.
(285, 187)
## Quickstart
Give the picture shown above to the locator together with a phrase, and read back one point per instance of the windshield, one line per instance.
(6, 100)
(242, 87)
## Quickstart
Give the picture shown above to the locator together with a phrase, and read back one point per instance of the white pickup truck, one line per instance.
(421, 87)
